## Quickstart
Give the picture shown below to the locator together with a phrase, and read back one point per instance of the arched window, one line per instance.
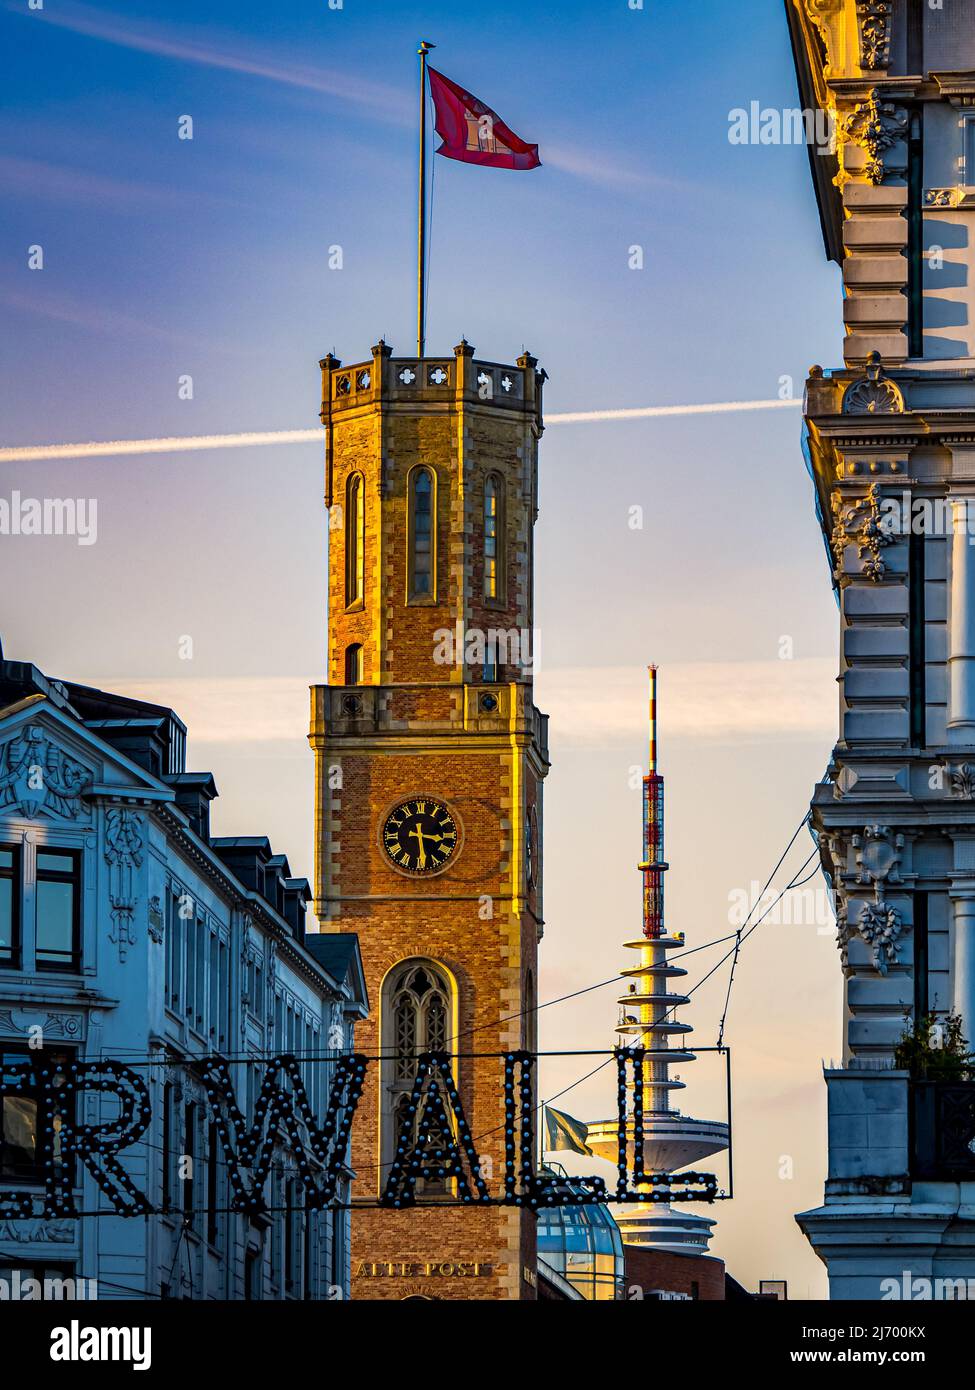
(353, 664)
(493, 538)
(417, 1010)
(422, 534)
(355, 540)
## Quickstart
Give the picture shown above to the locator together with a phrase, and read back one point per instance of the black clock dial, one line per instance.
(420, 835)
(531, 847)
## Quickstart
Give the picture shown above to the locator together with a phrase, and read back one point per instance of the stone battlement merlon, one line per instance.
(462, 378)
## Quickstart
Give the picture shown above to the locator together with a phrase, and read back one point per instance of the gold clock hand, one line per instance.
(418, 834)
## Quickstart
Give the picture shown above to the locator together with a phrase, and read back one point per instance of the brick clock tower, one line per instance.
(430, 756)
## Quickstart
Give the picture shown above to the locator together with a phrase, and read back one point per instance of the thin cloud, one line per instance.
(589, 707)
(649, 412)
(58, 183)
(98, 319)
(732, 701)
(388, 103)
(36, 453)
(597, 168)
(175, 445)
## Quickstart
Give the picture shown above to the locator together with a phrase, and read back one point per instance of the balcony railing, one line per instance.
(943, 1145)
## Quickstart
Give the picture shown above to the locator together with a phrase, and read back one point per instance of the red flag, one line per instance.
(472, 132)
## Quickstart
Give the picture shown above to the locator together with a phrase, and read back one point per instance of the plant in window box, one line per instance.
(935, 1049)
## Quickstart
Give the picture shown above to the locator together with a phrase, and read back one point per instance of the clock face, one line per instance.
(531, 847)
(419, 836)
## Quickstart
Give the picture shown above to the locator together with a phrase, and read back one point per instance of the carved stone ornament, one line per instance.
(53, 1026)
(123, 855)
(874, 393)
(821, 12)
(873, 17)
(30, 1232)
(878, 855)
(875, 126)
(860, 523)
(37, 776)
(156, 920)
(962, 779)
(880, 926)
(843, 932)
(944, 197)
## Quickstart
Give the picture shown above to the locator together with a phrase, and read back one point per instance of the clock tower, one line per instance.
(430, 756)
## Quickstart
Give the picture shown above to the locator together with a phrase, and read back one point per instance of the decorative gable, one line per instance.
(37, 777)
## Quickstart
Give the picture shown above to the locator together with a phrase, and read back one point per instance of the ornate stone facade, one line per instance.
(892, 446)
(134, 962)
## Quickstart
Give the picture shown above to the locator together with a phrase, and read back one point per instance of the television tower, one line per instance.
(648, 1019)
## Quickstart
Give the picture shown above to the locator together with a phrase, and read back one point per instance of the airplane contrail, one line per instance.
(183, 443)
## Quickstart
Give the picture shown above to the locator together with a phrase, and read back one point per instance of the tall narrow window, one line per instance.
(493, 534)
(353, 664)
(190, 1001)
(213, 1019)
(213, 1183)
(417, 1005)
(422, 542)
(174, 947)
(915, 35)
(289, 1236)
(915, 236)
(167, 1148)
(190, 1154)
(355, 540)
(58, 904)
(916, 641)
(921, 958)
(9, 908)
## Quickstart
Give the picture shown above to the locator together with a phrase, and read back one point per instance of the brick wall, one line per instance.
(480, 919)
(699, 1276)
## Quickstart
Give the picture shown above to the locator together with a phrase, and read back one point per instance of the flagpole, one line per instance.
(421, 258)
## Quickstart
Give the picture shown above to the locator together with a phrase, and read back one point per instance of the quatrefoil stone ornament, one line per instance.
(407, 376)
(437, 376)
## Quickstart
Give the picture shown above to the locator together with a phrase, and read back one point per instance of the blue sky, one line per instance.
(210, 257)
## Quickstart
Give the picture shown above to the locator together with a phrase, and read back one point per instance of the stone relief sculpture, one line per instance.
(860, 523)
(873, 19)
(123, 855)
(875, 126)
(878, 923)
(37, 776)
(874, 393)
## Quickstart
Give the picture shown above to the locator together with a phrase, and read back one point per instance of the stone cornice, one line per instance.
(957, 86)
(886, 88)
